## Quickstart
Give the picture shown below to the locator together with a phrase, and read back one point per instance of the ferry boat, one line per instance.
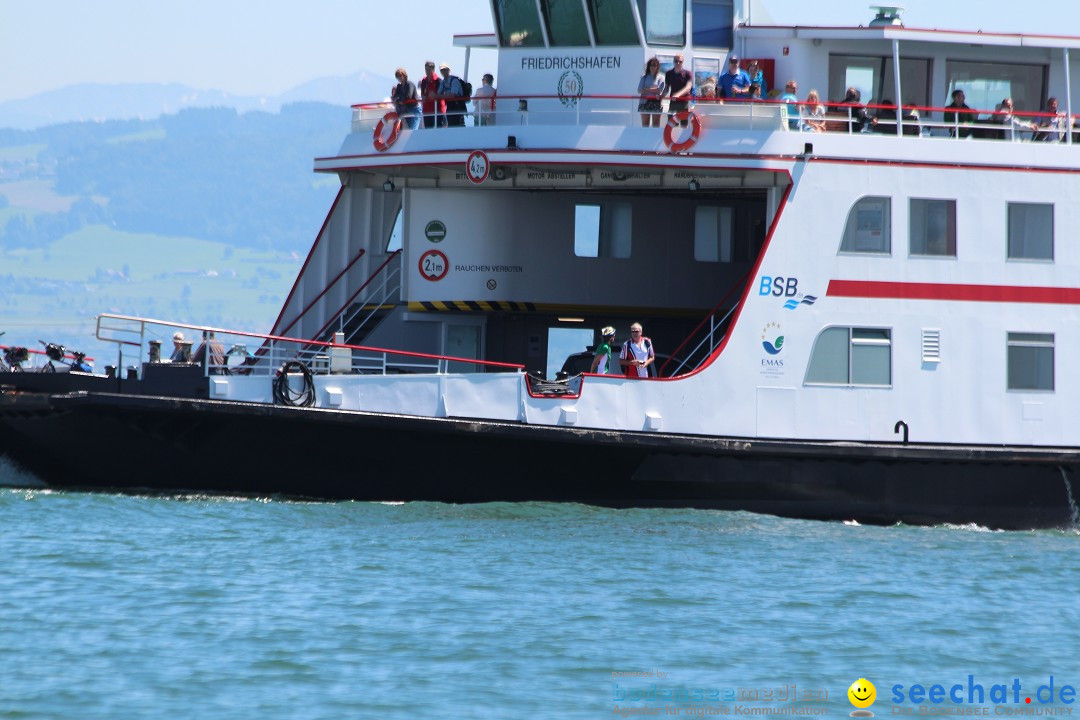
(852, 325)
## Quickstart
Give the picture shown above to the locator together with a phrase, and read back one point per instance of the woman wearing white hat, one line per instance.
(179, 351)
(602, 362)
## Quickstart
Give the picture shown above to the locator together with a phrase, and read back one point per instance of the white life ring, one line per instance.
(394, 120)
(675, 121)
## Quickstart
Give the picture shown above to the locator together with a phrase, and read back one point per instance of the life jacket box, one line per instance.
(340, 357)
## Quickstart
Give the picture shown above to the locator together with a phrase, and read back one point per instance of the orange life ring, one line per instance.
(675, 121)
(390, 117)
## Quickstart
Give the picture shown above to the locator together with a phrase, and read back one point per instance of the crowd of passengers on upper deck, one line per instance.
(847, 115)
(442, 102)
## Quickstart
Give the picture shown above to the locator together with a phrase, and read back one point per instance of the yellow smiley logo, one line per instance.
(862, 693)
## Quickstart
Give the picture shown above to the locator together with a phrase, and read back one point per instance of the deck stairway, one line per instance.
(368, 305)
(700, 344)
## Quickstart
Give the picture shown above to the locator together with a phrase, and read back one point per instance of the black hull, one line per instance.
(101, 440)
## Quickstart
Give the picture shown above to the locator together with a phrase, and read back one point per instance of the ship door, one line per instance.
(463, 341)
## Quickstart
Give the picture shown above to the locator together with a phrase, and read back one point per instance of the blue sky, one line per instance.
(254, 47)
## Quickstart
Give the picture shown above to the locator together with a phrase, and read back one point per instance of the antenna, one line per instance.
(887, 15)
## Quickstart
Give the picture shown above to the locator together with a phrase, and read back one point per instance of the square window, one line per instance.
(1031, 361)
(933, 227)
(603, 230)
(1031, 231)
(712, 234)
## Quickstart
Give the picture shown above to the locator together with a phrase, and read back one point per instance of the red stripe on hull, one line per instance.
(949, 291)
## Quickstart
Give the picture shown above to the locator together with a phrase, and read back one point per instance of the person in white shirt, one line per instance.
(484, 101)
(637, 354)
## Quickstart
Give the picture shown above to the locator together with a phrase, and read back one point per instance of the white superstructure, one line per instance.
(827, 285)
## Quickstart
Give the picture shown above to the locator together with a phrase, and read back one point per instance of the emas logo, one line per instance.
(774, 347)
(807, 300)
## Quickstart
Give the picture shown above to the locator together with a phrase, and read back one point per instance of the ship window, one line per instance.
(874, 78)
(664, 21)
(933, 227)
(869, 227)
(987, 84)
(587, 230)
(1031, 361)
(519, 25)
(602, 230)
(712, 22)
(851, 356)
(613, 23)
(393, 243)
(1031, 231)
(713, 234)
(565, 22)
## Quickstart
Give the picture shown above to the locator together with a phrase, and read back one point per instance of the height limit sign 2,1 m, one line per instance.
(433, 265)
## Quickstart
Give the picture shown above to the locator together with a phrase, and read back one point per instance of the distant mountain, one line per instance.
(216, 174)
(146, 101)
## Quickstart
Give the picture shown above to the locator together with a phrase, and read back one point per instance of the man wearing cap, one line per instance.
(434, 110)
(452, 91)
(602, 364)
(735, 82)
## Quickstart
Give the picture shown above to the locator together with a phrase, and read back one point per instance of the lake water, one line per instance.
(117, 606)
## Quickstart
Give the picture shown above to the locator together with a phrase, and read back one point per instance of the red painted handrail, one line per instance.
(360, 289)
(701, 324)
(325, 290)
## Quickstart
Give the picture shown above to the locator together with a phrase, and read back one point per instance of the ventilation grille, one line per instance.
(931, 345)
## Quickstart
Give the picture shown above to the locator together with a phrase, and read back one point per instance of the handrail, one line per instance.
(272, 339)
(1047, 125)
(325, 290)
(708, 336)
(334, 316)
(396, 271)
(708, 315)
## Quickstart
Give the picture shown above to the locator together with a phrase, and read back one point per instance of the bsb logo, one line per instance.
(778, 286)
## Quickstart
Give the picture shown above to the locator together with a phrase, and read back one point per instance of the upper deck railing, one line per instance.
(234, 352)
(765, 115)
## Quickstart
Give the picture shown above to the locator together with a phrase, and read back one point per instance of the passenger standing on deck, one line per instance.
(735, 82)
(452, 91)
(434, 110)
(406, 100)
(637, 354)
(602, 363)
(484, 101)
(757, 77)
(650, 89)
(678, 83)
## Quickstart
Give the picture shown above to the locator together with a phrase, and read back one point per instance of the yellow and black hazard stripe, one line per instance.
(487, 306)
(474, 306)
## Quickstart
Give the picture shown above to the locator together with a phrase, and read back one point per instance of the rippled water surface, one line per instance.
(124, 606)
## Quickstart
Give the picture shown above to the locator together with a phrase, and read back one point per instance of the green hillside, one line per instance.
(201, 217)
